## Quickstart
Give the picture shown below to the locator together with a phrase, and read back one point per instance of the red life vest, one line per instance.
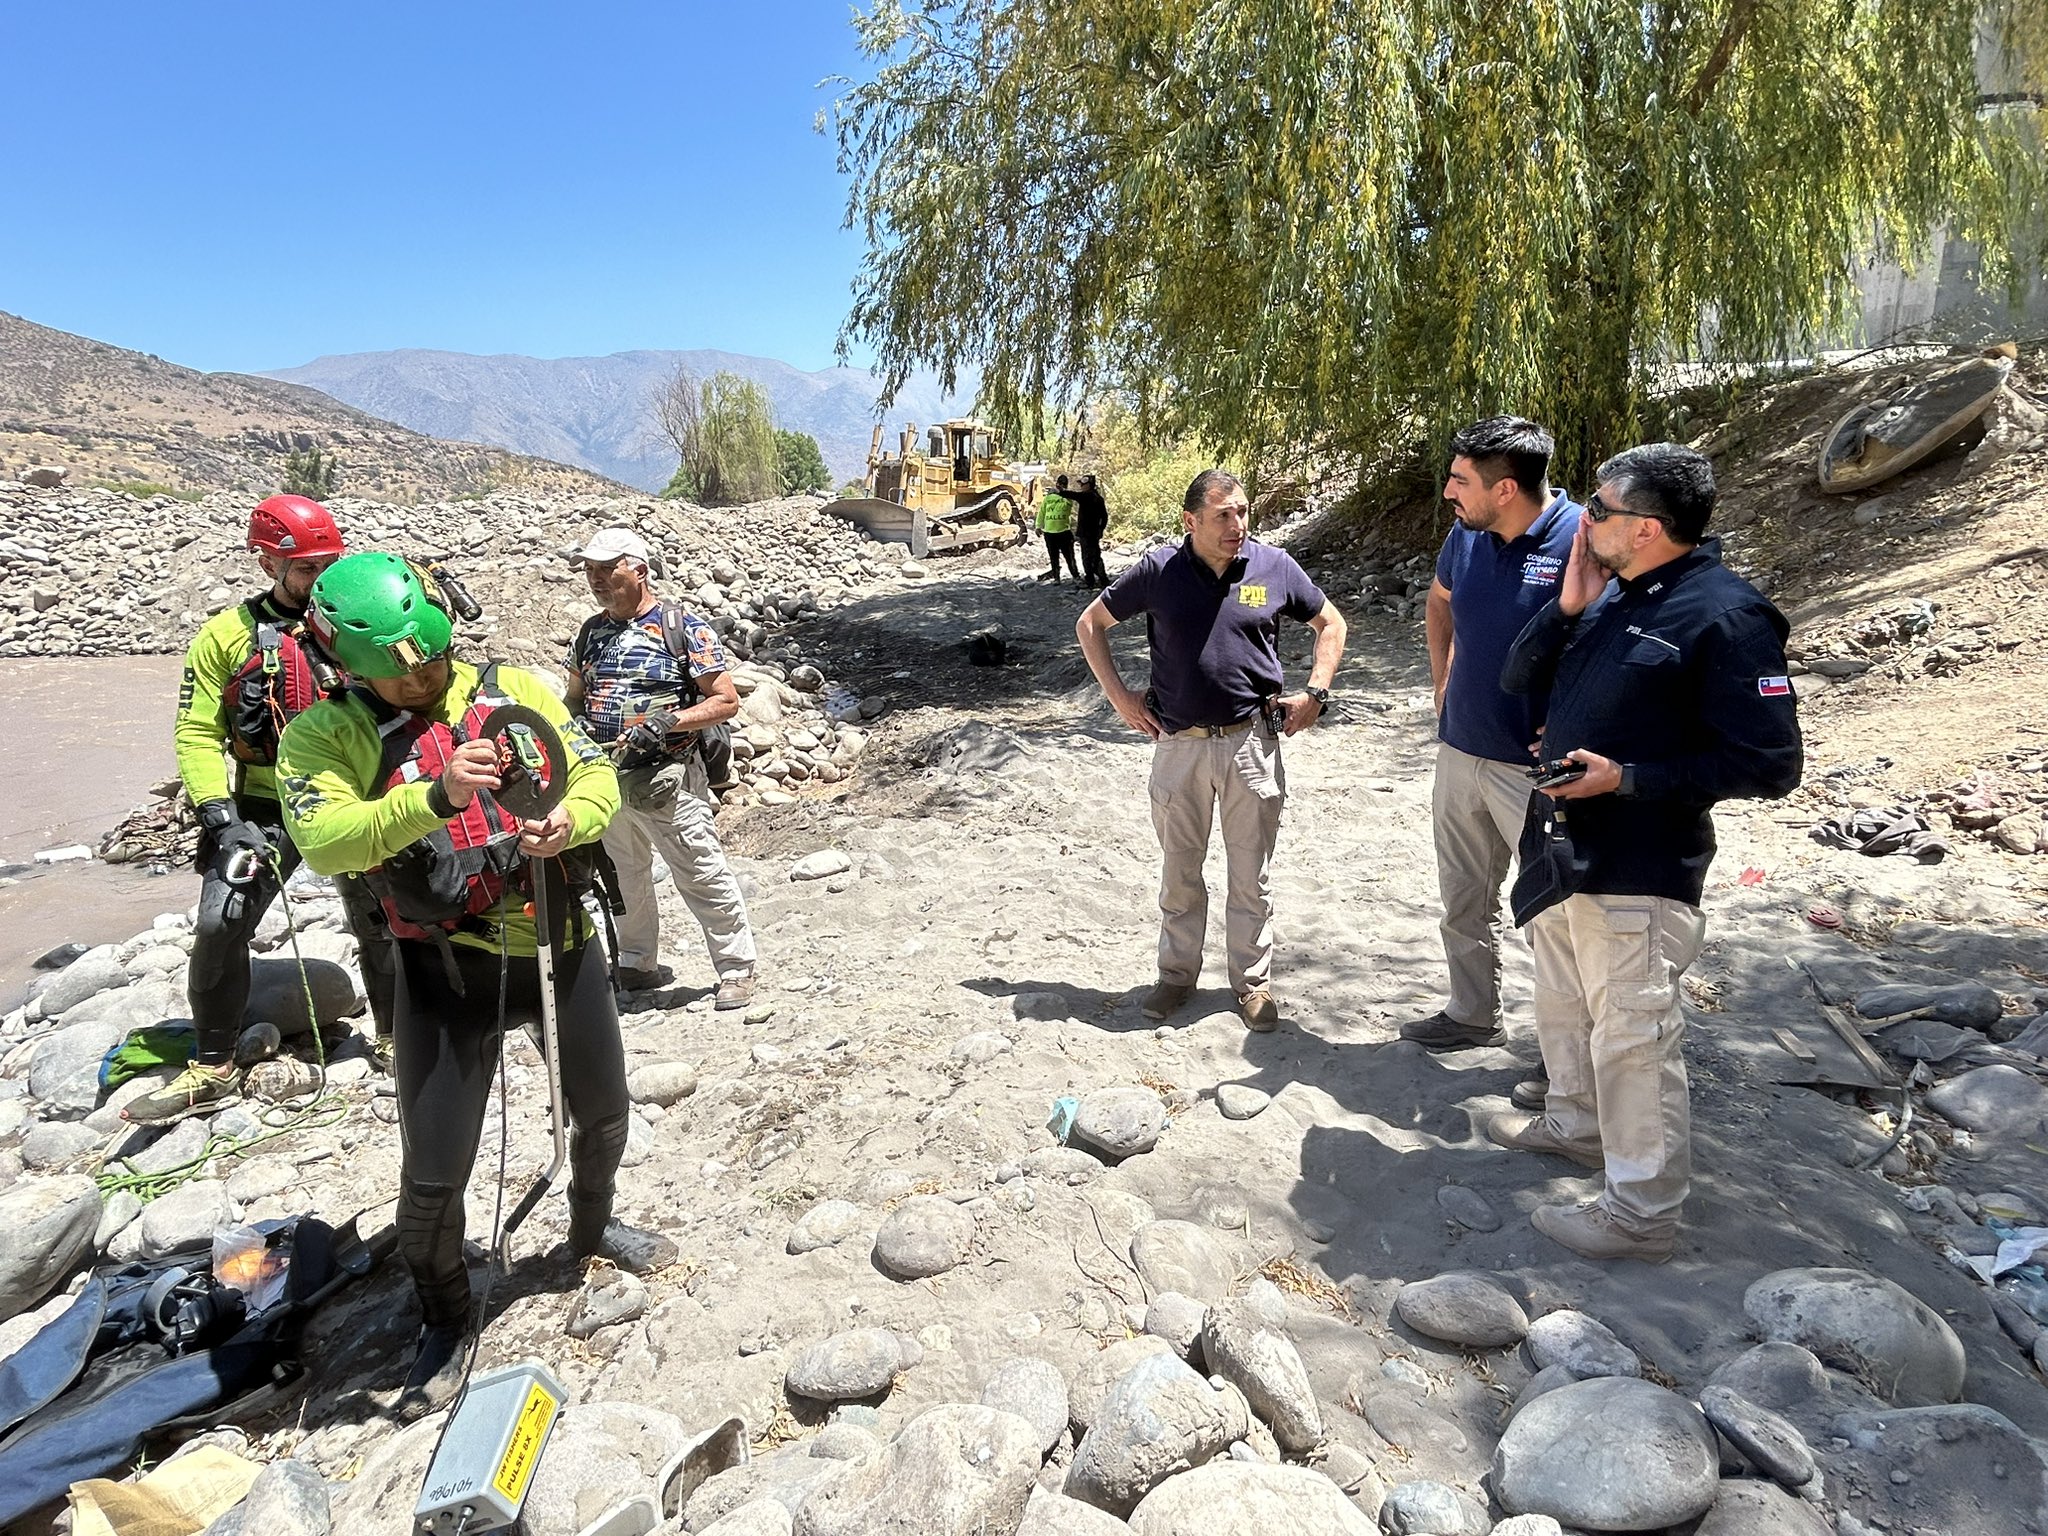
(274, 684)
(457, 873)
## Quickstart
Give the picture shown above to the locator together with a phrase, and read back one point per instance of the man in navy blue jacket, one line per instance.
(1668, 689)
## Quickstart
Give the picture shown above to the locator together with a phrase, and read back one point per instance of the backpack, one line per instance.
(274, 684)
(712, 743)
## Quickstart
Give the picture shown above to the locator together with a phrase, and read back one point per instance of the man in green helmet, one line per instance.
(396, 780)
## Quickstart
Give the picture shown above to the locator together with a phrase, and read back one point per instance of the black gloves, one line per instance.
(649, 737)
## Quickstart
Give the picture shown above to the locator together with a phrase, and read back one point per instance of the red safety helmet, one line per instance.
(293, 528)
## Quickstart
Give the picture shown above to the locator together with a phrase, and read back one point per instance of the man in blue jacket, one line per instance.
(1668, 693)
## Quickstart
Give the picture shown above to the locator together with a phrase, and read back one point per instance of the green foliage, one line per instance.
(801, 467)
(853, 488)
(1357, 227)
(142, 490)
(311, 473)
(724, 434)
(1142, 482)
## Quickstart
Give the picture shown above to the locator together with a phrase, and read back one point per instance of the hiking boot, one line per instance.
(1531, 1093)
(644, 978)
(734, 991)
(1441, 1032)
(1590, 1230)
(193, 1091)
(1260, 1015)
(1533, 1133)
(437, 1371)
(1166, 997)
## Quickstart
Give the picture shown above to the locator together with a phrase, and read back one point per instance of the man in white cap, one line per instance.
(646, 678)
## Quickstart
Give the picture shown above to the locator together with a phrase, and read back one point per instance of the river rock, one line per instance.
(1089, 1385)
(824, 1225)
(1613, 1453)
(1997, 1101)
(1463, 1308)
(1549, 1379)
(1121, 1122)
(1528, 1525)
(1747, 1508)
(1775, 1376)
(46, 1228)
(94, 972)
(1969, 1003)
(1180, 1256)
(1054, 1514)
(122, 1207)
(608, 1296)
(662, 1082)
(1399, 1418)
(1581, 1344)
(1246, 1347)
(1242, 1498)
(258, 1177)
(1158, 1418)
(1972, 1468)
(860, 1362)
(1178, 1320)
(821, 865)
(924, 1236)
(64, 1069)
(185, 1218)
(954, 1470)
(763, 1517)
(53, 1143)
(1864, 1324)
(259, 1042)
(288, 1498)
(840, 1441)
(599, 1454)
(277, 994)
(1035, 1392)
(1432, 1509)
(1767, 1441)
(1468, 1208)
(1241, 1101)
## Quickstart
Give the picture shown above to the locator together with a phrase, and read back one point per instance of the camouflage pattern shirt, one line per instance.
(628, 672)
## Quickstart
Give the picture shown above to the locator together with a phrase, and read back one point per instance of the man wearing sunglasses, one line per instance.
(1500, 563)
(1668, 689)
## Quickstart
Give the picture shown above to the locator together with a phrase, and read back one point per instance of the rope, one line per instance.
(314, 1110)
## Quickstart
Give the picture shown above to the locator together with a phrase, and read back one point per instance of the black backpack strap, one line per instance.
(675, 630)
(582, 642)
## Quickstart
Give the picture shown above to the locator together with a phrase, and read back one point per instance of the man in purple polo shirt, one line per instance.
(1213, 605)
(1500, 564)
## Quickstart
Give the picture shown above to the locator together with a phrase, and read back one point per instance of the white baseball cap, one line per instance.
(609, 544)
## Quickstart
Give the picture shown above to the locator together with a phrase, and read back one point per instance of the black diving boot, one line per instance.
(436, 1373)
(594, 1234)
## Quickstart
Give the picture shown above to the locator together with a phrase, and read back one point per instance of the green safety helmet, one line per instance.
(377, 618)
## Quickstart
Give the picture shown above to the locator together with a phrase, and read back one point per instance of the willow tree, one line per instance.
(1311, 221)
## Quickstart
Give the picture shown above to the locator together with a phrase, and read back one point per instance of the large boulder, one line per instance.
(1033, 1390)
(1054, 1514)
(1971, 1469)
(1180, 1256)
(1470, 1310)
(1992, 1101)
(277, 994)
(954, 1470)
(924, 1236)
(1243, 1342)
(64, 1068)
(1160, 1418)
(46, 1229)
(94, 972)
(1612, 1453)
(860, 1362)
(1243, 1498)
(1864, 1324)
(1088, 1388)
(1748, 1508)
(1121, 1122)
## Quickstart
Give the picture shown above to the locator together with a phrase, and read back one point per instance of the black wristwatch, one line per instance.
(1321, 696)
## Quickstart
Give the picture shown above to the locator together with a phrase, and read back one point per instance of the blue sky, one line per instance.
(233, 185)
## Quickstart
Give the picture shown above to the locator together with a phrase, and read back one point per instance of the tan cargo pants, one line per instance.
(668, 808)
(1477, 807)
(1609, 1022)
(1197, 780)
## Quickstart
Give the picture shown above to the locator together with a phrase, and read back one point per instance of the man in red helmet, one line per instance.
(244, 677)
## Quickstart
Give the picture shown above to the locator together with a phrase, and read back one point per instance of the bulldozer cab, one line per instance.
(946, 487)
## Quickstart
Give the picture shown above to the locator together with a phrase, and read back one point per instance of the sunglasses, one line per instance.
(1598, 511)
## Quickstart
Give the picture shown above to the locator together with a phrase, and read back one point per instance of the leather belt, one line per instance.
(1237, 728)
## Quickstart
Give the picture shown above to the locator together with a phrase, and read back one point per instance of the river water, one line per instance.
(81, 741)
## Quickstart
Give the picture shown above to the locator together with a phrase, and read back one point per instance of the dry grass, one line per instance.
(1294, 1280)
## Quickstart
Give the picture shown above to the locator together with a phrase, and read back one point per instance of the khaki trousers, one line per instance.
(1197, 780)
(1609, 1023)
(668, 808)
(1476, 811)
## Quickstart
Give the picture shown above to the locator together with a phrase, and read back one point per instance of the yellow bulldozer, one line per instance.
(958, 492)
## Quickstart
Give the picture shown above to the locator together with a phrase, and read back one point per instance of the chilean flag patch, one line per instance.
(1774, 687)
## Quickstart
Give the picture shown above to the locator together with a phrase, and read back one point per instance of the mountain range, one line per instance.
(598, 412)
